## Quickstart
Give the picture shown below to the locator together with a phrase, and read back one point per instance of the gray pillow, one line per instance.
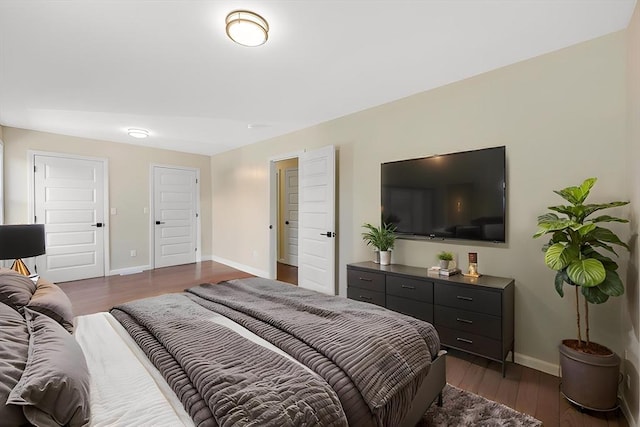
(14, 346)
(54, 387)
(15, 288)
(49, 299)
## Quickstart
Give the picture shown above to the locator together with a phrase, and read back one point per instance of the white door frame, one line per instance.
(31, 154)
(152, 234)
(272, 202)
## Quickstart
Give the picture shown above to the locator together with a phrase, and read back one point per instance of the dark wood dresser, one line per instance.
(470, 314)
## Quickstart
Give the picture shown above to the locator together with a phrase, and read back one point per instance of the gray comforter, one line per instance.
(371, 360)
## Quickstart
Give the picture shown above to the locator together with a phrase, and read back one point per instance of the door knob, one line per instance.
(98, 224)
(159, 222)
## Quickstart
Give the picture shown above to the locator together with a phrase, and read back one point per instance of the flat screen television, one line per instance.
(452, 196)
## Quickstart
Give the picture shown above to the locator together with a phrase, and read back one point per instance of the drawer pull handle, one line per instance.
(464, 320)
(464, 298)
(408, 287)
(464, 340)
(364, 279)
(366, 298)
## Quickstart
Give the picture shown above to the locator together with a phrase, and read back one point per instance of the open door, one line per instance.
(317, 243)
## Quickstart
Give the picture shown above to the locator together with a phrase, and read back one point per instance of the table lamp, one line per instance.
(21, 241)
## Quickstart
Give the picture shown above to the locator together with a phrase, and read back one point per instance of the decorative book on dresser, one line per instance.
(470, 314)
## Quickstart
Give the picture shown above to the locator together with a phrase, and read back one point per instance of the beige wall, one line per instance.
(631, 312)
(128, 186)
(562, 119)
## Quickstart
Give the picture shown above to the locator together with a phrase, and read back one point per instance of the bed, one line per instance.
(242, 352)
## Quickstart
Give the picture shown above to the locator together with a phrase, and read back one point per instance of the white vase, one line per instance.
(385, 257)
(444, 264)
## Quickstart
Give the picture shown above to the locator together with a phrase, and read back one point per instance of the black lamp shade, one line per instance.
(21, 241)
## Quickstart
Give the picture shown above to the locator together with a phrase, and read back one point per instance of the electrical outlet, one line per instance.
(145, 210)
(134, 252)
(114, 211)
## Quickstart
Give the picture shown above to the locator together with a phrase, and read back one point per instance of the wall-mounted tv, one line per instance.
(452, 196)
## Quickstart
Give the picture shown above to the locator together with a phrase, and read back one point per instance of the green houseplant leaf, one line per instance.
(558, 256)
(612, 285)
(594, 295)
(586, 272)
(382, 238)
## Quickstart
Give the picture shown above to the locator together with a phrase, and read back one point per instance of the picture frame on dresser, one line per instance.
(471, 314)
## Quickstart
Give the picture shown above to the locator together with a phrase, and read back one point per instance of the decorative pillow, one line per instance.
(15, 288)
(54, 387)
(49, 299)
(14, 346)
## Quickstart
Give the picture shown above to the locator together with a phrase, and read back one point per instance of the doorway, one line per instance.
(287, 236)
(316, 247)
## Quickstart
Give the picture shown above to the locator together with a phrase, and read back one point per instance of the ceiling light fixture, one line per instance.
(138, 133)
(247, 28)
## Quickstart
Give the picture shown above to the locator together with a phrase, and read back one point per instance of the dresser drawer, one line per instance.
(420, 290)
(472, 343)
(418, 309)
(468, 321)
(366, 295)
(468, 298)
(366, 279)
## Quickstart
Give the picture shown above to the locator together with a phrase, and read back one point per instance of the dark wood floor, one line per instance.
(523, 389)
(287, 273)
(102, 293)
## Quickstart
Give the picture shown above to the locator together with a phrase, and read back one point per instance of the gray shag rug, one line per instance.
(463, 408)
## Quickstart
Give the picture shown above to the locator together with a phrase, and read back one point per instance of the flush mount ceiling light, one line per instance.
(247, 28)
(138, 133)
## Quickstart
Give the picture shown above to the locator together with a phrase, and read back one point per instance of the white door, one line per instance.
(175, 210)
(69, 201)
(291, 216)
(316, 260)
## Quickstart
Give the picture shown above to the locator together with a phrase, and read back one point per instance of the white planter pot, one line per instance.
(385, 257)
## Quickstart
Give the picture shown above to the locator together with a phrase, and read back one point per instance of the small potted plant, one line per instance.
(445, 259)
(576, 251)
(382, 238)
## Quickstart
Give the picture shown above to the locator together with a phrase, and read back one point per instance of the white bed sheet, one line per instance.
(126, 389)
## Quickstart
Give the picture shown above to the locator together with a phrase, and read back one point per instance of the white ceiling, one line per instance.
(93, 68)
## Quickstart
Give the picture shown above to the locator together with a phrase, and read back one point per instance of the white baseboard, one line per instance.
(129, 270)
(206, 258)
(627, 414)
(242, 267)
(537, 364)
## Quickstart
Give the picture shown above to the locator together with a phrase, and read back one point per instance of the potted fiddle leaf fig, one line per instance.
(579, 250)
(382, 238)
